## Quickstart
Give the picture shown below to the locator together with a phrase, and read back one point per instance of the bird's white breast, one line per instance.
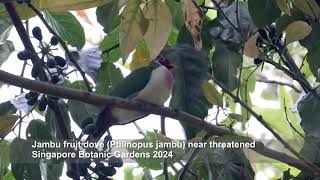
(159, 87)
(157, 91)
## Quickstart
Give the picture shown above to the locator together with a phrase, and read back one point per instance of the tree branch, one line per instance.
(196, 122)
(164, 160)
(280, 83)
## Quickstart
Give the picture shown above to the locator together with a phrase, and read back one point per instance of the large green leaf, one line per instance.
(225, 64)
(159, 28)
(286, 101)
(133, 26)
(68, 28)
(5, 28)
(247, 86)
(108, 77)
(7, 108)
(263, 12)
(187, 92)
(23, 166)
(54, 171)
(38, 130)
(176, 12)
(4, 157)
(309, 110)
(308, 7)
(109, 42)
(52, 122)
(79, 110)
(9, 176)
(310, 150)
(6, 48)
(311, 42)
(108, 16)
(276, 120)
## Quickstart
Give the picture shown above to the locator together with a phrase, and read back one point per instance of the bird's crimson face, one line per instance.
(166, 63)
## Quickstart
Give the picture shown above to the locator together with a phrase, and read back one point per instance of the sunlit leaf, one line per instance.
(4, 157)
(68, 27)
(160, 23)
(297, 30)
(133, 26)
(140, 59)
(283, 5)
(211, 93)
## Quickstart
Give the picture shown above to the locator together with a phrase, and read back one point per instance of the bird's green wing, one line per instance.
(133, 83)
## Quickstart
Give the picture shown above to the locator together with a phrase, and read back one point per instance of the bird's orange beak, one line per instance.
(172, 66)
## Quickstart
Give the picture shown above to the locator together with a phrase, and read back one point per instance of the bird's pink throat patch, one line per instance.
(169, 79)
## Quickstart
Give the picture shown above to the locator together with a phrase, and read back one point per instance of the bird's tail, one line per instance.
(104, 122)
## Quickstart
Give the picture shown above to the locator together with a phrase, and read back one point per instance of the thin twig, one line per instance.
(164, 160)
(107, 51)
(290, 124)
(191, 158)
(280, 83)
(139, 129)
(226, 17)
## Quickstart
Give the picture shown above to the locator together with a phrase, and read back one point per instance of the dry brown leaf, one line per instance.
(250, 48)
(193, 17)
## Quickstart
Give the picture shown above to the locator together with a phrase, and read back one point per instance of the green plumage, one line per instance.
(133, 83)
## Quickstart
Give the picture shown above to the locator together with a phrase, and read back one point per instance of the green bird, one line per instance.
(152, 84)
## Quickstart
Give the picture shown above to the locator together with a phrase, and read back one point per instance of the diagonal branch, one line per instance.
(196, 122)
(280, 83)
